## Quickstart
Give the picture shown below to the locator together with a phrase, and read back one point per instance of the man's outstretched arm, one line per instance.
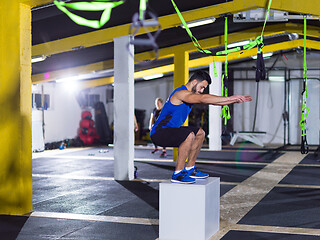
(188, 97)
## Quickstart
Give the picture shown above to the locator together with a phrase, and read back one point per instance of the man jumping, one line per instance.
(168, 131)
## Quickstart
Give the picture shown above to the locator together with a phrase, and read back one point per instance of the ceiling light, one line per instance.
(301, 17)
(199, 22)
(38, 58)
(259, 15)
(104, 71)
(276, 78)
(293, 36)
(153, 76)
(238, 44)
(265, 55)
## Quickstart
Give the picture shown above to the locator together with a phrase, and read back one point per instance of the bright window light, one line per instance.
(200, 22)
(265, 55)
(238, 44)
(68, 79)
(69, 84)
(153, 76)
(34, 87)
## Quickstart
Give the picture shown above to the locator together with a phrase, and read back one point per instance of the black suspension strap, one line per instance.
(151, 27)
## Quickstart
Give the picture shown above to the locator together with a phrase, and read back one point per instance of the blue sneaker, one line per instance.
(182, 177)
(195, 173)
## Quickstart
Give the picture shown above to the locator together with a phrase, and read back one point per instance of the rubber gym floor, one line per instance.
(265, 194)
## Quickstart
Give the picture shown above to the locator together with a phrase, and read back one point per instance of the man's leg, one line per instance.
(195, 148)
(184, 151)
(192, 171)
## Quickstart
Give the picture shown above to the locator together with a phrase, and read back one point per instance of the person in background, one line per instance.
(154, 116)
(168, 131)
(136, 127)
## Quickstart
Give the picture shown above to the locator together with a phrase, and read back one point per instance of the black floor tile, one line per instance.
(287, 207)
(115, 231)
(155, 170)
(92, 199)
(239, 156)
(26, 228)
(230, 172)
(73, 167)
(246, 235)
(225, 188)
(301, 175)
(282, 207)
(226, 172)
(311, 158)
(143, 201)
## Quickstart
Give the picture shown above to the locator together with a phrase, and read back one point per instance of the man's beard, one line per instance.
(194, 88)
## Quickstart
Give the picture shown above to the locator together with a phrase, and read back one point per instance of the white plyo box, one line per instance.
(189, 211)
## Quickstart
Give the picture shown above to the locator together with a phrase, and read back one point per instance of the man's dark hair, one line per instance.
(200, 76)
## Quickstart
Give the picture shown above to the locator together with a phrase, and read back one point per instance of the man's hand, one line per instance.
(241, 98)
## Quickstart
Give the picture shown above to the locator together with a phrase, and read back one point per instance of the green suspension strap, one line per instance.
(258, 42)
(266, 18)
(305, 110)
(142, 9)
(252, 44)
(194, 40)
(98, 5)
(225, 111)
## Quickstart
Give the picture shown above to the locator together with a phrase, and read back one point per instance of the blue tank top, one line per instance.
(172, 116)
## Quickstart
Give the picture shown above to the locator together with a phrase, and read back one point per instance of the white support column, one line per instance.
(123, 109)
(214, 111)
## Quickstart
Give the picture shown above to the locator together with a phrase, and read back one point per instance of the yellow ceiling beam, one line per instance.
(269, 48)
(207, 60)
(34, 3)
(313, 45)
(68, 72)
(107, 35)
(188, 47)
(95, 82)
(312, 31)
(163, 69)
(235, 37)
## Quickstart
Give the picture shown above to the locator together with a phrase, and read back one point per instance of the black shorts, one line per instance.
(172, 137)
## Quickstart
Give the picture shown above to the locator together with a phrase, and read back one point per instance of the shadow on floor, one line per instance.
(143, 191)
(11, 226)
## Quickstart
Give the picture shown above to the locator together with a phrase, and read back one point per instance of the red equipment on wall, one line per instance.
(87, 131)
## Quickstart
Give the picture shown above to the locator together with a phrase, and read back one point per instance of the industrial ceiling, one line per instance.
(71, 48)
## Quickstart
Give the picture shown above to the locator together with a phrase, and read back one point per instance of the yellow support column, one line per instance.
(15, 108)
(181, 77)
